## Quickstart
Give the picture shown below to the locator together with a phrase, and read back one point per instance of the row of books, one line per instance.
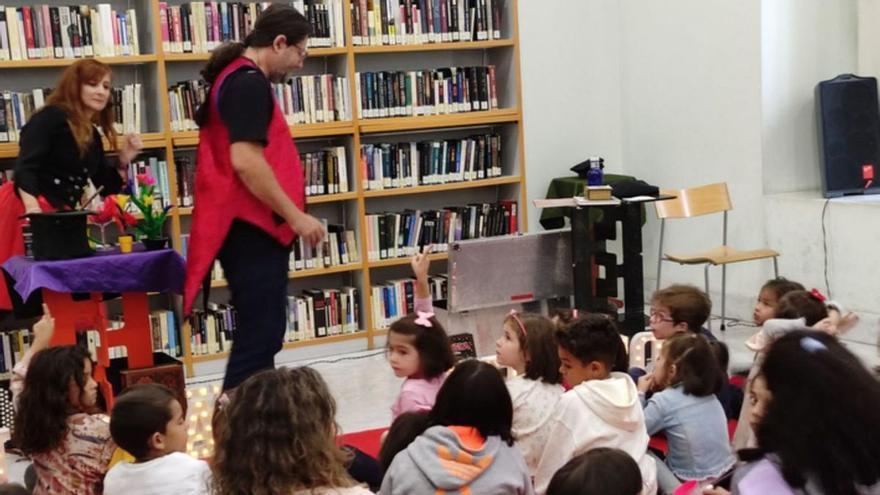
(16, 108)
(340, 247)
(326, 171)
(45, 31)
(408, 22)
(156, 168)
(163, 330)
(425, 92)
(313, 99)
(185, 169)
(303, 100)
(409, 164)
(319, 313)
(394, 235)
(199, 27)
(396, 298)
(165, 333)
(13, 345)
(316, 313)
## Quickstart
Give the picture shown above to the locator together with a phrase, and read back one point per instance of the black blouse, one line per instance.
(49, 163)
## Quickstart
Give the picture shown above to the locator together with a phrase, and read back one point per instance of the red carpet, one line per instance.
(367, 440)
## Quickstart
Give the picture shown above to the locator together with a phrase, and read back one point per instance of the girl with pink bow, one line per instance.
(418, 348)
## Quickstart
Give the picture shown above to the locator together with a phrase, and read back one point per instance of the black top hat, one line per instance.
(60, 235)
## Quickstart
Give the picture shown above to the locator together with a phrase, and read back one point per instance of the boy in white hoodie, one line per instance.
(602, 409)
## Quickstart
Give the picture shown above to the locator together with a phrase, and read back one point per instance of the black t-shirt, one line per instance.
(246, 105)
(49, 162)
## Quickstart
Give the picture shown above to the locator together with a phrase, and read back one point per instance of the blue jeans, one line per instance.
(255, 265)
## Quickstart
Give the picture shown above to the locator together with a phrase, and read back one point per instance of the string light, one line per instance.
(4, 436)
(201, 400)
(639, 345)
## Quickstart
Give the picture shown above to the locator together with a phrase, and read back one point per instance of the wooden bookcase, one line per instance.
(159, 69)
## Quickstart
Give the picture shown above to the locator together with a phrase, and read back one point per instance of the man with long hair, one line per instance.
(249, 194)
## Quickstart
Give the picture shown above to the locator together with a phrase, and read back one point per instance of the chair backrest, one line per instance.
(694, 202)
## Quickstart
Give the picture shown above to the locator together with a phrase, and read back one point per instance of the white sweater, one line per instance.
(597, 413)
(175, 473)
(533, 405)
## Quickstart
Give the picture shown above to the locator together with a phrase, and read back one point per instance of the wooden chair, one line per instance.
(699, 201)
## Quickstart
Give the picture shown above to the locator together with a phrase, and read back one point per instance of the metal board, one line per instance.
(499, 271)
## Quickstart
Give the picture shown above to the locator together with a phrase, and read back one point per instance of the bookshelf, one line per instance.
(158, 70)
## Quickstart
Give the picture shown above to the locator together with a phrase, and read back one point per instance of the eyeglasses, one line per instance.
(303, 52)
(659, 316)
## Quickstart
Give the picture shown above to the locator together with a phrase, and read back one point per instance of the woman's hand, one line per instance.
(31, 203)
(130, 148)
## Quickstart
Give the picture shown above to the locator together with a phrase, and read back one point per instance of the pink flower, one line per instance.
(146, 180)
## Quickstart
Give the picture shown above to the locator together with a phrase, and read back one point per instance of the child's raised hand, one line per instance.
(421, 263)
(646, 383)
(44, 329)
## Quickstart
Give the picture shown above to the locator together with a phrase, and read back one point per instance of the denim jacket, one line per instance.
(696, 431)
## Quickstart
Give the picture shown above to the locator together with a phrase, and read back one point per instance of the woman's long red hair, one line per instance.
(66, 96)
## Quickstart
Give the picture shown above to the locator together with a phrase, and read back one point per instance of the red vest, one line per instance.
(221, 197)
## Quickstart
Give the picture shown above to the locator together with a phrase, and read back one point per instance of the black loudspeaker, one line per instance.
(849, 132)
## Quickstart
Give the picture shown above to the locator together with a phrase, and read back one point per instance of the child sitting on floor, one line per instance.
(418, 349)
(149, 422)
(529, 347)
(602, 410)
(602, 471)
(685, 377)
(56, 397)
(468, 447)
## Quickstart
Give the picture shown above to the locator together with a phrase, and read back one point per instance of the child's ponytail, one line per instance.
(696, 367)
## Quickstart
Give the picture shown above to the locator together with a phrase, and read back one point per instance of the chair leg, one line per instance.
(706, 276)
(723, 295)
(660, 252)
(775, 267)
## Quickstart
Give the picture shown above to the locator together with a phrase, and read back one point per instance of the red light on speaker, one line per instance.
(868, 171)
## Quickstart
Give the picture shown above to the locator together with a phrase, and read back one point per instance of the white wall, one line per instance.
(869, 38)
(691, 115)
(689, 92)
(803, 42)
(571, 88)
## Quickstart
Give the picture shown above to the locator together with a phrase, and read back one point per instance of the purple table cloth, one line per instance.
(139, 271)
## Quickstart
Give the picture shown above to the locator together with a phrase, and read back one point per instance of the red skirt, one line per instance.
(11, 238)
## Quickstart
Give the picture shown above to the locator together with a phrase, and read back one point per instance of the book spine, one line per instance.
(4, 36)
(163, 26)
(28, 27)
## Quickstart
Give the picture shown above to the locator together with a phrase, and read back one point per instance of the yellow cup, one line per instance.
(125, 242)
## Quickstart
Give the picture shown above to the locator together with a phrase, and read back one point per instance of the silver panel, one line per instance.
(503, 271)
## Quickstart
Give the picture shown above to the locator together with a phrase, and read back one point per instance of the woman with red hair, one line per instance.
(60, 151)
